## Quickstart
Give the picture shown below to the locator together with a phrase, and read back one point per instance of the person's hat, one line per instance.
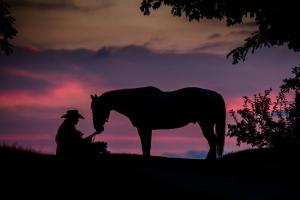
(72, 114)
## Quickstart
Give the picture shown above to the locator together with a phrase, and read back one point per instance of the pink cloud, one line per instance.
(234, 103)
(69, 92)
(157, 137)
(24, 137)
(65, 92)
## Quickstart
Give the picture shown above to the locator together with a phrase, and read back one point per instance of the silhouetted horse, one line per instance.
(149, 108)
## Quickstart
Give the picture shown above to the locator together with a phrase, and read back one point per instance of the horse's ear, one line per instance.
(94, 97)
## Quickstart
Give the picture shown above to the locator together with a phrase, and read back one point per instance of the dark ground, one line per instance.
(244, 175)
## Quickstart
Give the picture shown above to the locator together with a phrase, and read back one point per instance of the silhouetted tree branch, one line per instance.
(276, 20)
(7, 29)
(264, 123)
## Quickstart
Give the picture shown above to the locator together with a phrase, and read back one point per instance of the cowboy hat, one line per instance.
(72, 114)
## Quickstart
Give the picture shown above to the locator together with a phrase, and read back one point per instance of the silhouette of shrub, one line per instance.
(264, 123)
(7, 29)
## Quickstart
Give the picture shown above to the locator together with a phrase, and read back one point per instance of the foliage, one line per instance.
(270, 124)
(274, 19)
(7, 29)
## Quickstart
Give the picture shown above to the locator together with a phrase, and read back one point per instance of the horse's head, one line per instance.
(100, 112)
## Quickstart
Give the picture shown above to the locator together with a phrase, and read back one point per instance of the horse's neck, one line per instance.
(118, 102)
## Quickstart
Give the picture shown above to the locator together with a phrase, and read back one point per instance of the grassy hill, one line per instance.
(251, 174)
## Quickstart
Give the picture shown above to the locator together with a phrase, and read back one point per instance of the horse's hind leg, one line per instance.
(145, 136)
(208, 132)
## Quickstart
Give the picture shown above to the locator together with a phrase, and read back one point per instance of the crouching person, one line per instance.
(71, 143)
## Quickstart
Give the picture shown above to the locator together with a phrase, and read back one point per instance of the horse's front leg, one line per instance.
(145, 136)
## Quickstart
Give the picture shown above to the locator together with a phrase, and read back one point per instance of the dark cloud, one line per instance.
(46, 61)
(240, 33)
(104, 52)
(211, 46)
(214, 36)
(126, 52)
(9, 82)
(134, 66)
(155, 40)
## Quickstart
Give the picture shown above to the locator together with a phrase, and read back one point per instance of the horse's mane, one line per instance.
(125, 92)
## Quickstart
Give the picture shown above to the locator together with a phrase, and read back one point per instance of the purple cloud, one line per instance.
(38, 86)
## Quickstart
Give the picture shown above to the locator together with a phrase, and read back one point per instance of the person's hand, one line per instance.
(98, 132)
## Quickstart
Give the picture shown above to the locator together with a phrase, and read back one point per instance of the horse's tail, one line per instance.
(220, 130)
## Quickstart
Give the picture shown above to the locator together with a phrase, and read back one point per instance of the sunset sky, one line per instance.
(68, 49)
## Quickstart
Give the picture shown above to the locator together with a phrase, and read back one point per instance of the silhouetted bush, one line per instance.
(7, 29)
(266, 123)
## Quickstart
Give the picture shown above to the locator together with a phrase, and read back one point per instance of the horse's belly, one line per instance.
(166, 126)
(164, 118)
(168, 123)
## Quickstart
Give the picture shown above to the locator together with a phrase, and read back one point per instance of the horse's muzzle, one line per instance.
(100, 129)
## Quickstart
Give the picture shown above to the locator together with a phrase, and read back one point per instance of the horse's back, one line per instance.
(135, 92)
(149, 91)
(153, 97)
(185, 105)
(195, 95)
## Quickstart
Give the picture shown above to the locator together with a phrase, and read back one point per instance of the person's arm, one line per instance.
(90, 137)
